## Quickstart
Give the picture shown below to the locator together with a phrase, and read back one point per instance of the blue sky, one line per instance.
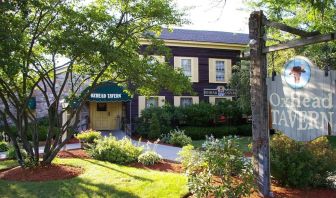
(208, 15)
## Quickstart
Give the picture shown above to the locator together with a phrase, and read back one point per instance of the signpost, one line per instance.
(259, 100)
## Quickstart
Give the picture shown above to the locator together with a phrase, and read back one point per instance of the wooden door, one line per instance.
(105, 116)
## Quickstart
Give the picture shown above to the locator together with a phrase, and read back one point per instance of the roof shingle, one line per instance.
(205, 36)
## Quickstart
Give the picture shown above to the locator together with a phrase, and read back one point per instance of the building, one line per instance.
(205, 56)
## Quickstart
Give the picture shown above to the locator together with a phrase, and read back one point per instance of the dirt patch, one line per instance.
(77, 153)
(41, 173)
(163, 165)
(73, 141)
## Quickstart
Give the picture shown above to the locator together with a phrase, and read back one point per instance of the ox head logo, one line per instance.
(297, 72)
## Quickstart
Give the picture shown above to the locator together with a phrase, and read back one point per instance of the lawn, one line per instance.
(8, 164)
(101, 179)
(243, 143)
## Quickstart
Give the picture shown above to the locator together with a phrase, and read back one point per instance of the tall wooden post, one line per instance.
(260, 128)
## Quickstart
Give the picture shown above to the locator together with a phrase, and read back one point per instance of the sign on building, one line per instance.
(302, 100)
(220, 91)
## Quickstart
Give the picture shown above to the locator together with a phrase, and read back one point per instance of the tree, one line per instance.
(89, 43)
(311, 16)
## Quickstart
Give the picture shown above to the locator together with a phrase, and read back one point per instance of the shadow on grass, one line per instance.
(76, 187)
(99, 163)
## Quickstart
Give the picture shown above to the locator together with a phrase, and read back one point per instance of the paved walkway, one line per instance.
(167, 152)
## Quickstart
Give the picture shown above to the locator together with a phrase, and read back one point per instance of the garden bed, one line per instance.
(41, 173)
(77, 153)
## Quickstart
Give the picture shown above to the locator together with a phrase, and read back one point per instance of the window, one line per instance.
(219, 100)
(186, 102)
(101, 107)
(220, 71)
(186, 67)
(152, 102)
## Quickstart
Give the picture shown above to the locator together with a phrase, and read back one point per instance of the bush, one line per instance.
(298, 164)
(177, 138)
(11, 154)
(244, 130)
(112, 150)
(154, 128)
(149, 158)
(199, 133)
(3, 146)
(220, 170)
(89, 136)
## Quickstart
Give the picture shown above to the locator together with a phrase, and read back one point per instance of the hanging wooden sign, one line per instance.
(302, 100)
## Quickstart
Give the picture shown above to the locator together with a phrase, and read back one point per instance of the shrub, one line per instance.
(154, 128)
(300, 164)
(11, 154)
(199, 133)
(220, 170)
(202, 114)
(177, 138)
(149, 158)
(112, 150)
(244, 130)
(3, 146)
(89, 136)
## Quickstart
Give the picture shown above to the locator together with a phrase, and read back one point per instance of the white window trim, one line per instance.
(227, 70)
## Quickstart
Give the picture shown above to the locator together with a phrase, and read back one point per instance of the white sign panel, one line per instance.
(302, 100)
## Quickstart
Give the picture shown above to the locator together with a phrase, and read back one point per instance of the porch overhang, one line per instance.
(108, 92)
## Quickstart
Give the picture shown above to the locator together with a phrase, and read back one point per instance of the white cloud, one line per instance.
(209, 15)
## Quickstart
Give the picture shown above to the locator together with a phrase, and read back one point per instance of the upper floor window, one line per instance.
(152, 102)
(186, 102)
(220, 70)
(188, 65)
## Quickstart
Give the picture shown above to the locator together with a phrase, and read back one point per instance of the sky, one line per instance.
(208, 15)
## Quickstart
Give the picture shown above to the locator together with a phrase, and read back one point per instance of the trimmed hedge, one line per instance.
(199, 133)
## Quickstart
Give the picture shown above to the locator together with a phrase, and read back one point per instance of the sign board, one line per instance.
(302, 100)
(108, 92)
(220, 91)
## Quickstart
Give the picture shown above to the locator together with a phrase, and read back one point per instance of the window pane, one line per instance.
(152, 102)
(186, 102)
(186, 67)
(101, 107)
(220, 71)
(219, 100)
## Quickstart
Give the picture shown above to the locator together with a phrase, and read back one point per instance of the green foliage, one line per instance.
(196, 115)
(11, 154)
(240, 81)
(149, 158)
(300, 164)
(177, 137)
(89, 136)
(154, 128)
(3, 146)
(112, 150)
(220, 170)
(199, 133)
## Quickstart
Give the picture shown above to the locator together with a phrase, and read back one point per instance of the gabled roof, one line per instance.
(205, 36)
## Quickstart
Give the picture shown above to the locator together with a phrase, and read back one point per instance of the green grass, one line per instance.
(101, 179)
(8, 164)
(243, 143)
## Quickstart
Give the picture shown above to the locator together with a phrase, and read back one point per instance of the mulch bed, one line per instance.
(77, 153)
(282, 192)
(41, 173)
(163, 165)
